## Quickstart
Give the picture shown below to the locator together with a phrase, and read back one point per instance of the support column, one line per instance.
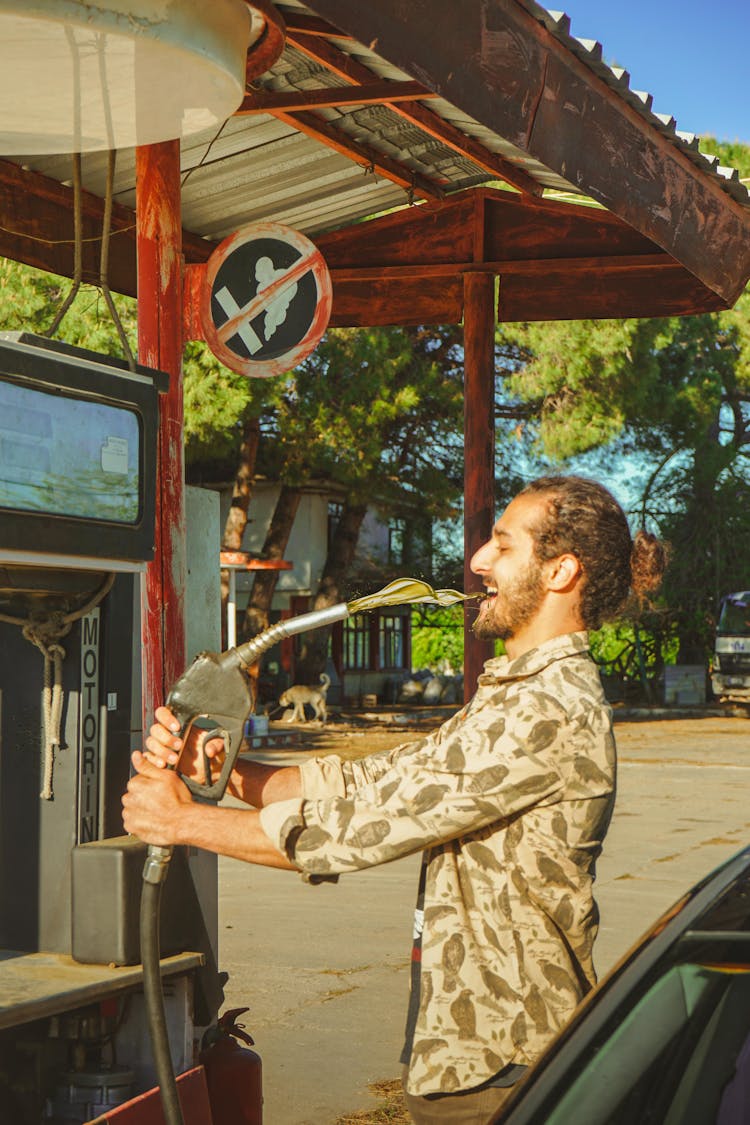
(479, 450)
(159, 247)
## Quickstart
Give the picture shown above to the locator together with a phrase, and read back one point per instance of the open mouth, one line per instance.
(487, 602)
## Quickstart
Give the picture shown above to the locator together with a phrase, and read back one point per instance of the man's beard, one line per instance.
(513, 607)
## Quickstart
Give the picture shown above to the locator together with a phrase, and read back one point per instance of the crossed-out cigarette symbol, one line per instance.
(276, 289)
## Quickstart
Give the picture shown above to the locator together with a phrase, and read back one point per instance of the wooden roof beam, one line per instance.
(439, 300)
(496, 61)
(36, 227)
(328, 97)
(338, 62)
(296, 21)
(534, 267)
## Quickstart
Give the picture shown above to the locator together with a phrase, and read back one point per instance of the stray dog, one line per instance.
(300, 694)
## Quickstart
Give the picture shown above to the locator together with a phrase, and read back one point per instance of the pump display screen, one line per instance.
(68, 456)
(78, 455)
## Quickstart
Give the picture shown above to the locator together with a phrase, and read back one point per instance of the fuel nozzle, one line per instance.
(249, 652)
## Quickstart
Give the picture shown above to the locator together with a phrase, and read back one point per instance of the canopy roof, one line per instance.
(373, 107)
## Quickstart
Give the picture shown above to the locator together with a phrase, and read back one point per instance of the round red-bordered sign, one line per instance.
(266, 299)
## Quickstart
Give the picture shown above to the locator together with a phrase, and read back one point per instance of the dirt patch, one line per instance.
(390, 1111)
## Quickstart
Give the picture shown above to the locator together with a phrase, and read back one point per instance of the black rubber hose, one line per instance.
(154, 1000)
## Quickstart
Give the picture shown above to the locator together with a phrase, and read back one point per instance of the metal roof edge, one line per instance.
(589, 52)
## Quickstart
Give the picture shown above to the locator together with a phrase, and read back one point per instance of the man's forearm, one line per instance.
(232, 832)
(258, 784)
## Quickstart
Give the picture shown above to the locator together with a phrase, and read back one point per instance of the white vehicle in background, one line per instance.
(730, 678)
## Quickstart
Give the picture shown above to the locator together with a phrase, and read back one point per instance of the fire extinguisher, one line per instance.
(233, 1073)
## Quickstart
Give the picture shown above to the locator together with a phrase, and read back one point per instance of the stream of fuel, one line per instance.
(405, 590)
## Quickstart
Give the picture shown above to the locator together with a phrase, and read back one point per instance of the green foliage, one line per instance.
(584, 379)
(732, 154)
(437, 637)
(217, 401)
(615, 648)
(29, 300)
(373, 410)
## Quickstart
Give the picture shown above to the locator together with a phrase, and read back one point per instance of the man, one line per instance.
(509, 801)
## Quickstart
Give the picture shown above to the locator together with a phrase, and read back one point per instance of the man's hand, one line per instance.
(165, 748)
(154, 803)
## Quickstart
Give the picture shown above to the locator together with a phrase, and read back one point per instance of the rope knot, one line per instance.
(46, 633)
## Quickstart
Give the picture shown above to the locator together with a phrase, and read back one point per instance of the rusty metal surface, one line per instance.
(160, 345)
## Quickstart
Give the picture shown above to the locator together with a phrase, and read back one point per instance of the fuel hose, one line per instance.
(154, 874)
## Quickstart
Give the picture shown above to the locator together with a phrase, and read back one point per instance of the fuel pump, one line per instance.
(77, 485)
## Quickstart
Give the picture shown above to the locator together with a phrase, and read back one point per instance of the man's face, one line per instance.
(511, 572)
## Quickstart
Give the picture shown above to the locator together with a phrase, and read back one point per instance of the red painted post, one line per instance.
(479, 450)
(159, 245)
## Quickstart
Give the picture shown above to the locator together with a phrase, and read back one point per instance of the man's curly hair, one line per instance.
(582, 518)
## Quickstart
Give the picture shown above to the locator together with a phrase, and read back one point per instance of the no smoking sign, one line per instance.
(266, 299)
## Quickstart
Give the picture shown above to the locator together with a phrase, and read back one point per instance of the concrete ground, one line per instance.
(324, 970)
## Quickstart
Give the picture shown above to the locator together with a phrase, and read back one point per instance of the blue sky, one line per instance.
(692, 55)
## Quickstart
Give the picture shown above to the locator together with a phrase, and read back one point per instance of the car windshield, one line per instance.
(667, 1040)
(680, 1057)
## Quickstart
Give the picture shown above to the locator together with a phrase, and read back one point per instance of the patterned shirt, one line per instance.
(510, 800)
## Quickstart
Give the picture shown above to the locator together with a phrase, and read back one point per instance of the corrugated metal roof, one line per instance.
(468, 174)
(261, 167)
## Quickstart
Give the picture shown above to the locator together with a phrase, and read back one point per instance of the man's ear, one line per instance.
(564, 572)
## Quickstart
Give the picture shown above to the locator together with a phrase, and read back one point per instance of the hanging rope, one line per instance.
(203, 159)
(52, 700)
(104, 260)
(77, 246)
(78, 240)
(46, 633)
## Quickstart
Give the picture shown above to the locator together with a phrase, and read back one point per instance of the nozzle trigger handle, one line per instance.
(213, 689)
(214, 789)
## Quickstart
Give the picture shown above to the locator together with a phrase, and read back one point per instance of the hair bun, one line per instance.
(648, 561)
